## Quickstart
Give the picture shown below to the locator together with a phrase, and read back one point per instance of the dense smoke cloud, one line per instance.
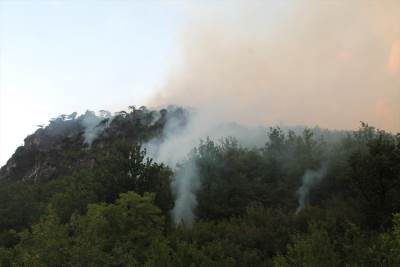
(325, 63)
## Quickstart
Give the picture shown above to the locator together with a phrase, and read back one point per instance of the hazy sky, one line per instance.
(63, 56)
(331, 63)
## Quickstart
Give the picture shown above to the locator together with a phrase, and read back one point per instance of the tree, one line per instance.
(122, 233)
(375, 166)
(47, 245)
(311, 250)
(123, 167)
(127, 233)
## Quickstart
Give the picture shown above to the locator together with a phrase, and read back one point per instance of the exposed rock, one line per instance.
(60, 148)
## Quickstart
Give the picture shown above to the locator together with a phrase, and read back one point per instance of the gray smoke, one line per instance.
(309, 180)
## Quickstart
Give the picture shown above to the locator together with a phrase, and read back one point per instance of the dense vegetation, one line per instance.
(114, 208)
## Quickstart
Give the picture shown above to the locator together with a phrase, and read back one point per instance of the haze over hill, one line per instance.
(307, 63)
(139, 188)
(249, 151)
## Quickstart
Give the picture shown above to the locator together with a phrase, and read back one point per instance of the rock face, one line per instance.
(62, 147)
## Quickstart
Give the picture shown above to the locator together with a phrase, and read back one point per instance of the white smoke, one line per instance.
(94, 125)
(185, 185)
(309, 180)
(251, 62)
(172, 149)
(177, 142)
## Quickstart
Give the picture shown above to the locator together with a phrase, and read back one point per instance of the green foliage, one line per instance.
(123, 167)
(375, 166)
(386, 248)
(47, 244)
(109, 205)
(314, 249)
(18, 206)
(234, 178)
(121, 233)
(249, 240)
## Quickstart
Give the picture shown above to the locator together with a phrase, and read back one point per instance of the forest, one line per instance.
(308, 197)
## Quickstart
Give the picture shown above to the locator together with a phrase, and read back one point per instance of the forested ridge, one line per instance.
(84, 191)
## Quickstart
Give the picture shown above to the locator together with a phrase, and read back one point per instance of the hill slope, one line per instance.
(83, 191)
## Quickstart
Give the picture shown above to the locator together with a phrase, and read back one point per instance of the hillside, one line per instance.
(91, 190)
(69, 143)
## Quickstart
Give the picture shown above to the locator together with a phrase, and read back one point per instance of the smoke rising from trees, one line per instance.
(297, 63)
(310, 63)
(308, 181)
(182, 133)
(94, 125)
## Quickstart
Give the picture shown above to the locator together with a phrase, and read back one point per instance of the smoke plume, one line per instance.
(185, 185)
(183, 131)
(326, 63)
(309, 180)
(94, 125)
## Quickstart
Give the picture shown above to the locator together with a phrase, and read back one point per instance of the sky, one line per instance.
(327, 63)
(57, 57)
